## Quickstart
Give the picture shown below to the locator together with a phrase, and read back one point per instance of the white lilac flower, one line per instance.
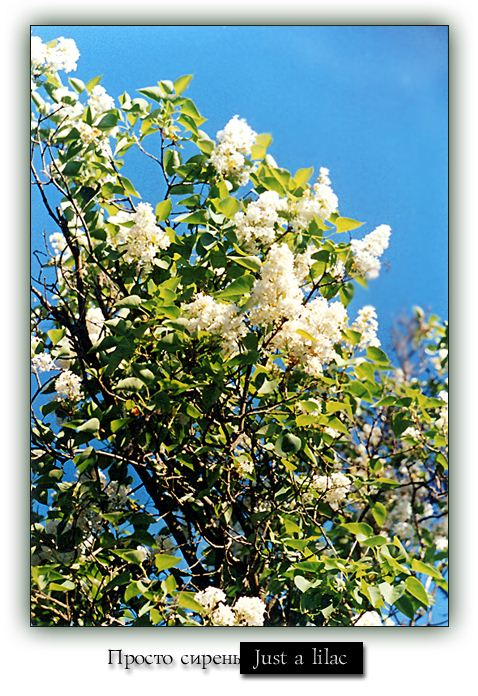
(442, 421)
(372, 435)
(258, 223)
(367, 251)
(411, 433)
(441, 543)
(94, 323)
(334, 488)
(68, 386)
(303, 262)
(324, 176)
(309, 340)
(238, 134)
(89, 134)
(243, 465)
(320, 201)
(205, 314)
(62, 55)
(400, 514)
(100, 101)
(369, 618)
(210, 598)
(276, 295)
(68, 107)
(222, 615)
(367, 325)
(142, 240)
(38, 52)
(249, 611)
(234, 144)
(43, 362)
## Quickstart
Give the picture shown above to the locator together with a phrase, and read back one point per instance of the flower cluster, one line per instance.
(234, 144)
(43, 362)
(306, 332)
(367, 251)
(309, 340)
(100, 101)
(367, 326)
(139, 236)
(321, 201)
(68, 386)
(372, 618)
(62, 55)
(259, 221)
(276, 296)
(442, 421)
(334, 488)
(247, 611)
(205, 314)
(94, 323)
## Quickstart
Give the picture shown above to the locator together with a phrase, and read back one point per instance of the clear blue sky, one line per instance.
(370, 103)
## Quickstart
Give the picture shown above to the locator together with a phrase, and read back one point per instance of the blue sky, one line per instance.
(368, 102)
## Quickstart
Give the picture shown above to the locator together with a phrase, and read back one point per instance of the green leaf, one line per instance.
(130, 384)
(189, 108)
(130, 301)
(252, 263)
(238, 288)
(198, 217)
(169, 584)
(163, 561)
(182, 83)
(374, 541)
(287, 444)
(65, 586)
(400, 423)
(306, 335)
(416, 589)
(91, 426)
(389, 592)
(344, 224)
(155, 93)
(155, 616)
(78, 85)
(259, 149)
(93, 82)
(302, 176)
(268, 387)
(334, 406)
(377, 355)
(420, 567)
(108, 121)
(186, 601)
(379, 512)
(55, 335)
(346, 293)
(361, 530)
(135, 556)
(404, 605)
(305, 419)
(134, 589)
(229, 206)
(163, 209)
(72, 168)
(302, 584)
